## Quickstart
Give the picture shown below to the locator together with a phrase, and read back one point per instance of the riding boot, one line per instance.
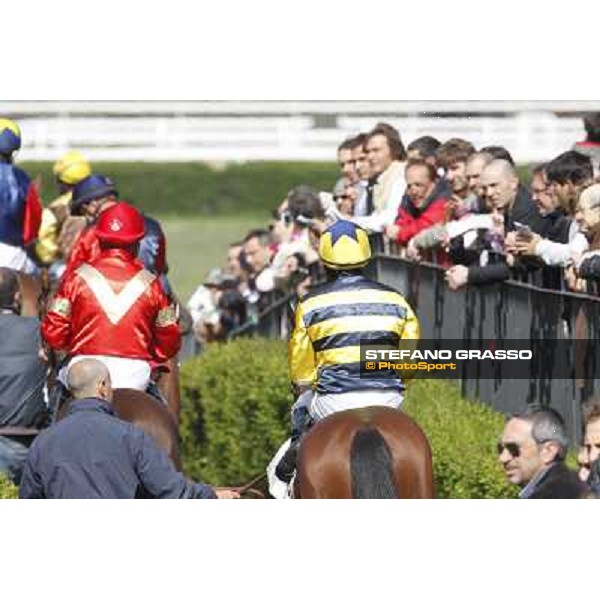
(155, 392)
(286, 467)
(57, 397)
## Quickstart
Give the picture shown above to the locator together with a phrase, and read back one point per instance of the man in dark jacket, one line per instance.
(587, 217)
(591, 145)
(532, 453)
(561, 242)
(513, 204)
(22, 377)
(93, 454)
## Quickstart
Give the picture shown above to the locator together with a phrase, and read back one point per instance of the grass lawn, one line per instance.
(197, 244)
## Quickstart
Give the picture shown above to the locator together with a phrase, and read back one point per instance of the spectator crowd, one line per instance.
(469, 210)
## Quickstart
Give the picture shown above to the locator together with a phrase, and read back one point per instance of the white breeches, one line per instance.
(16, 258)
(124, 372)
(323, 405)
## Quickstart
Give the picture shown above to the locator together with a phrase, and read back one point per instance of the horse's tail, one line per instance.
(371, 466)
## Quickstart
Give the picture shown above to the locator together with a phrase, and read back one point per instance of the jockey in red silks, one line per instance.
(112, 309)
(20, 206)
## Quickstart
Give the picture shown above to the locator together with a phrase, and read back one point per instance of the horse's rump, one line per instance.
(373, 452)
(154, 418)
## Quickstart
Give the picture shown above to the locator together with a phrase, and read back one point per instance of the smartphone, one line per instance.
(333, 214)
(523, 231)
(304, 220)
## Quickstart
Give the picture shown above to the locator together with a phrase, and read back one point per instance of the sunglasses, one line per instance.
(511, 447)
(284, 216)
(514, 449)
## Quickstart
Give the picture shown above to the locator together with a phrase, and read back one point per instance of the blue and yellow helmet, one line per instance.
(345, 245)
(10, 136)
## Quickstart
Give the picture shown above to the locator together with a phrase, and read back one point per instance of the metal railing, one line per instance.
(562, 326)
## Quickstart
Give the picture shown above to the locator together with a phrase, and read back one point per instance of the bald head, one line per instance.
(587, 214)
(591, 196)
(501, 167)
(480, 160)
(89, 378)
(499, 183)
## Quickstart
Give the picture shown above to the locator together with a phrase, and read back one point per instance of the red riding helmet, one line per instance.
(120, 225)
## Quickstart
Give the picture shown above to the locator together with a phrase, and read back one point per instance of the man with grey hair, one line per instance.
(587, 217)
(93, 454)
(532, 453)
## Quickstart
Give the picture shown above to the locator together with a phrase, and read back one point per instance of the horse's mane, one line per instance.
(371, 465)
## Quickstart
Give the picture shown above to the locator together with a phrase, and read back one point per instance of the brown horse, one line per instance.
(373, 452)
(31, 289)
(149, 414)
(168, 383)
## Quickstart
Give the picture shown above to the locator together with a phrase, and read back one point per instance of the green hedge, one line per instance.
(463, 436)
(235, 410)
(7, 489)
(197, 188)
(235, 413)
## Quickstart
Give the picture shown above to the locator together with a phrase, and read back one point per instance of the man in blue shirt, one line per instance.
(93, 454)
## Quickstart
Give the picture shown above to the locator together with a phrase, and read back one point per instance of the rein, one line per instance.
(249, 489)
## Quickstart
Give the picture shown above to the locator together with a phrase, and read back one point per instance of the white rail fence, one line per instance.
(245, 130)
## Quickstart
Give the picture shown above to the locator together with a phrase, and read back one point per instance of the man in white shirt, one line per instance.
(387, 157)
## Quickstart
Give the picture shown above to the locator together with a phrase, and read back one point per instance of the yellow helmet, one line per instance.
(72, 167)
(345, 245)
(10, 136)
